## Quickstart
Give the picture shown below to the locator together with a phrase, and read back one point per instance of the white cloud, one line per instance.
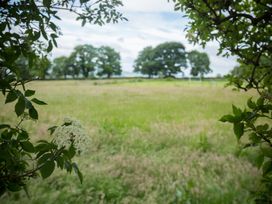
(151, 22)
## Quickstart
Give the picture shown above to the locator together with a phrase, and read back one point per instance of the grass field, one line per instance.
(153, 141)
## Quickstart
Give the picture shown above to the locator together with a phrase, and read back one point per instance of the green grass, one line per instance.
(153, 141)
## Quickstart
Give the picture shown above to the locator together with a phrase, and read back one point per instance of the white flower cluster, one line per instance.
(70, 133)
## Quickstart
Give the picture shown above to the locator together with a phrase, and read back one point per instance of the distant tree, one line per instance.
(145, 62)
(200, 63)
(108, 62)
(60, 67)
(170, 57)
(83, 59)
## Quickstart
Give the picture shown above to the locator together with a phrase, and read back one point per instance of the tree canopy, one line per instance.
(108, 62)
(170, 57)
(145, 62)
(200, 63)
(28, 28)
(242, 28)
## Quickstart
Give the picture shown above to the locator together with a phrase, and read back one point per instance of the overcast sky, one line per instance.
(150, 22)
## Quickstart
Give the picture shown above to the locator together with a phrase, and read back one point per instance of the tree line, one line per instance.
(86, 61)
(170, 58)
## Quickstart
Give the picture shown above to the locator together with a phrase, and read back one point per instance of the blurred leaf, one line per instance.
(20, 106)
(37, 101)
(29, 93)
(238, 130)
(12, 96)
(28, 146)
(33, 113)
(47, 169)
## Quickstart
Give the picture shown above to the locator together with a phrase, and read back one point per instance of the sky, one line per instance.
(150, 22)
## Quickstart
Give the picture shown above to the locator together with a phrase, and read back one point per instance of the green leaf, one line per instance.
(2, 126)
(33, 113)
(27, 146)
(47, 169)
(227, 118)
(20, 106)
(23, 135)
(267, 167)
(29, 93)
(47, 3)
(77, 171)
(251, 104)
(50, 46)
(37, 101)
(236, 111)
(238, 130)
(12, 96)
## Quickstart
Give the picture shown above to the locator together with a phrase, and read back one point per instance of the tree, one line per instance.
(84, 59)
(145, 62)
(108, 62)
(242, 28)
(28, 28)
(170, 57)
(60, 67)
(200, 63)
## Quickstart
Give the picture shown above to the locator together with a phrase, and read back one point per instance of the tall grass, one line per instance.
(153, 141)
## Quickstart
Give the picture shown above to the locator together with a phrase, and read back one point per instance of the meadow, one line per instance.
(152, 141)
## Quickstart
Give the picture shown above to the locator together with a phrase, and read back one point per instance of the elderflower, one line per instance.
(71, 133)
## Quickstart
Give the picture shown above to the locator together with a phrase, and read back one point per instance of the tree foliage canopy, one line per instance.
(242, 28)
(200, 63)
(108, 62)
(28, 28)
(170, 57)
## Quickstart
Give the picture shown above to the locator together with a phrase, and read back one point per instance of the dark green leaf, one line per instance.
(12, 96)
(37, 101)
(29, 93)
(238, 130)
(23, 135)
(251, 104)
(236, 111)
(33, 113)
(20, 106)
(227, 118)
(50, 46)
(47, 169)
(2, 126)
(28, 146)
(47, 3)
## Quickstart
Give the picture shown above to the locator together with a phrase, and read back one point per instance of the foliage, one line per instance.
(108, 62)
(145, 62)
(60, 67)
(84, 58)
(28, 29)
(200, 63)
(242, 28)
(170, 57)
